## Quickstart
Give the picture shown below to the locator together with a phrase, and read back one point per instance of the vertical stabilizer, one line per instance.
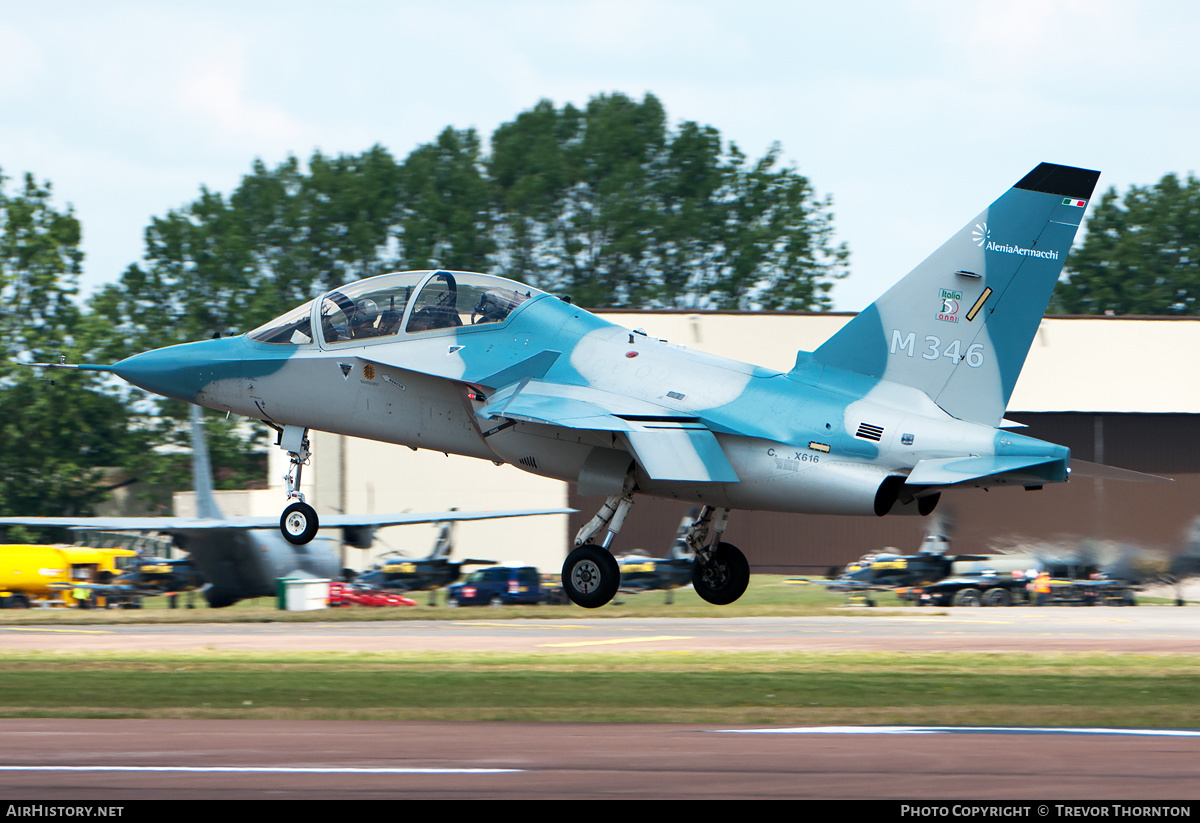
(959, 326)
(445, 539)
(202, 478)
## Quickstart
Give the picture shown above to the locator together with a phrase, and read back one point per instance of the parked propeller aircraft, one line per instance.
(243, 557)
(888, 571)
(418, 574)
(906, 400)
(642, 573)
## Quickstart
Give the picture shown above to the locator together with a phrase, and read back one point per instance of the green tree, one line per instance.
(58, 428)
(445, 218)
(531, 169)
(350, 208)
(611, 206)
(55, 436)
(1141, 254)
(40, 263)
(225, 265)
(222, 265)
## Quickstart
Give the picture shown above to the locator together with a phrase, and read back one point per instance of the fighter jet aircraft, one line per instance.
(906, 400)
(243, 557)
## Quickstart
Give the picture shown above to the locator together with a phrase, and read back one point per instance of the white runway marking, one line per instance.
(254, 769)
(963, 730)
(614, 642)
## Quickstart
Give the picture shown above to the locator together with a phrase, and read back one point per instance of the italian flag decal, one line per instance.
(1069, 202)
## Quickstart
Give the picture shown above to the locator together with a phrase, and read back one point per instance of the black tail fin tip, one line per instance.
(1065, 180)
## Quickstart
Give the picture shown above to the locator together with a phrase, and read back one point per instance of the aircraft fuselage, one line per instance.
(816, 440)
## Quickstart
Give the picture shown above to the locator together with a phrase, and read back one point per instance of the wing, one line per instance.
(119, 524)
(347, 520)
(666, 444)
(843, 585)
(171, 525)
(949, 471)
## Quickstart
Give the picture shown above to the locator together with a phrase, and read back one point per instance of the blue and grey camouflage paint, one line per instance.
(901, 403)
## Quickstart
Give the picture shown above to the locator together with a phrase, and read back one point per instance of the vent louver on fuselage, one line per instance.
(868, 431)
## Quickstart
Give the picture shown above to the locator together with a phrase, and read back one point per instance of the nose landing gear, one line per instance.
(299, 522)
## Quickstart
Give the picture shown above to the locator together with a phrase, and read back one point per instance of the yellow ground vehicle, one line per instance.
(35, 575)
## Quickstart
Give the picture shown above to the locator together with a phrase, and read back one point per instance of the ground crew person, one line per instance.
(1041, 588)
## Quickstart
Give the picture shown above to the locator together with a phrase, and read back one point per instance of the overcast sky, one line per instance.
(912, 114)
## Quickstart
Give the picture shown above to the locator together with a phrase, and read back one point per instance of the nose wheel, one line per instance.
(591, 576)
(299, 523)
(299, 520)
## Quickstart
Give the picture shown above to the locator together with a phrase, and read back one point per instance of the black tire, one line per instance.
(220, 598)
(967, 597)
(299, 524)
(997, 597)
(496, 600)
(591, 576)
(724, 578)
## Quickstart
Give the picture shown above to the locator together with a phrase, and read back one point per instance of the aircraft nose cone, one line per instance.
(178, 372)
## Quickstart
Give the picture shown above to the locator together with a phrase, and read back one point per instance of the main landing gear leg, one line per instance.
(299, 522)
(720, 573)
(591, 576)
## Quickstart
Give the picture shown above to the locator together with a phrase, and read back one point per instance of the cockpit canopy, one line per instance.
(383, 307)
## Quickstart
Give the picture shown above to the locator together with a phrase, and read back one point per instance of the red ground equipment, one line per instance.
(347, 594)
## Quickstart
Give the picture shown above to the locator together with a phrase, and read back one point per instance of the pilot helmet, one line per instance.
(365, 314)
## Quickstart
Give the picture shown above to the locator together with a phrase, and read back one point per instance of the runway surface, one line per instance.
(1139, 629)
(110, 760)
(98, 760)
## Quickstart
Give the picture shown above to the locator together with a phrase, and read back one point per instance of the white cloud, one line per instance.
(210, 97)
(20, 60)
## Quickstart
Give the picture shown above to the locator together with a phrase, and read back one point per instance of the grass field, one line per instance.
(1114, 690)
(731, 688)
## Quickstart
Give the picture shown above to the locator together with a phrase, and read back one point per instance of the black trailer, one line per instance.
(1001, 590)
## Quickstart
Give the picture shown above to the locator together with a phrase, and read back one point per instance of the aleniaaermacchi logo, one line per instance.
(982, 236)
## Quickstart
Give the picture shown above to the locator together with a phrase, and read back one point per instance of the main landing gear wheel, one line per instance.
(299, 524)
(724, 578)
(591, 576)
